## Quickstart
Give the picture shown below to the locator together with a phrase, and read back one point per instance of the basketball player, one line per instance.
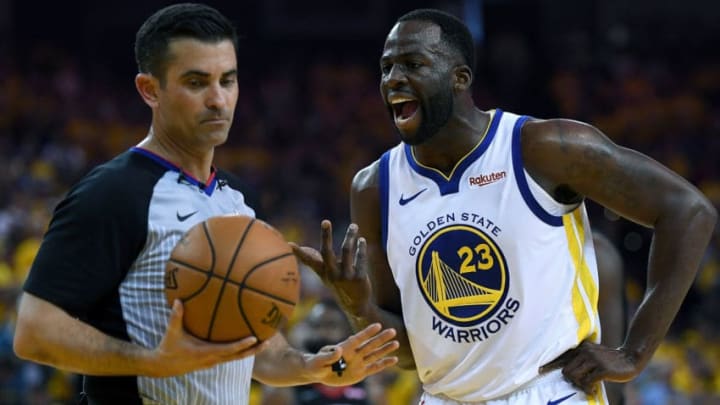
(470, 237)
(94, 300)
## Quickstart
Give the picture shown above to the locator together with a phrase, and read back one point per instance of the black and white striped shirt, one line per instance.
(103, 260)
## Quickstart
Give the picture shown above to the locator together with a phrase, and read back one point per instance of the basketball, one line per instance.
(236, 277)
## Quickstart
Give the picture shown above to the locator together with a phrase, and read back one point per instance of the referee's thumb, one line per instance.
(176, 316)
(329, 354)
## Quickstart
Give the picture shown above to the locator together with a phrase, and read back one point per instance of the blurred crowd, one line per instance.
(302, 129)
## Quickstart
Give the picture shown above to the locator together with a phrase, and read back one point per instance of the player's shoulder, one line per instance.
(367, 177)
(535, 130)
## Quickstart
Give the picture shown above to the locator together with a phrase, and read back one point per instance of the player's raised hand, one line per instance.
(347, 275)
(590, 363)
(180, 353)
(352, 360)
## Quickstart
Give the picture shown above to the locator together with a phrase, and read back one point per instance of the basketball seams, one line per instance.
(227, 275)
(219, 310)
(244, 285)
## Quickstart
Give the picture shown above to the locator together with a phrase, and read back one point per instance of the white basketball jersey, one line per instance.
(496, 277)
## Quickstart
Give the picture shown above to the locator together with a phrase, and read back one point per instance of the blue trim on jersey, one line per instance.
(207, 189)
(522, 183)
(383, 185)
(452, 185)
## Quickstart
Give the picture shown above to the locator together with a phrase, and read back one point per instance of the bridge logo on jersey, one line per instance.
(462, 275)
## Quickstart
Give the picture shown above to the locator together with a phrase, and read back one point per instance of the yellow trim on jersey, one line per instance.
(492, 117)
(585, 291)
(598, 398)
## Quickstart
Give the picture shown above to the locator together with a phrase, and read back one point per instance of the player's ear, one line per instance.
(147, 85)
(463, 78)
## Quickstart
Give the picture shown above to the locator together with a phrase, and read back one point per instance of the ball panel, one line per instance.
(279, 278)
(262, 243)
(237, 277)
(194, 249)
(199, 309)
(182, 281)
(264, 315)
(229, 323)
(227, 234)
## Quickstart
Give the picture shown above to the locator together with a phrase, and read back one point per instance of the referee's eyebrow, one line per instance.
(232, 72)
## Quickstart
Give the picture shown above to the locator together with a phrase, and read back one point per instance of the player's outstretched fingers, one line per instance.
(361, 259)
(327, 250)
(309, 257)
(349, 246)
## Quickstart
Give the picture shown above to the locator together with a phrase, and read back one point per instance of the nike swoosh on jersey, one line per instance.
(182, 218)
(404, 201)
(557, 401)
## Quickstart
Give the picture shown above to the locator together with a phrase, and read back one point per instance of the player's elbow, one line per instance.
(703, 214)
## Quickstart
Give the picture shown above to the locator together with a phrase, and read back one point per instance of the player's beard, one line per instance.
(436, 112)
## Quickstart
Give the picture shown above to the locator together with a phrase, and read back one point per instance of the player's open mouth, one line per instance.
(406, 112)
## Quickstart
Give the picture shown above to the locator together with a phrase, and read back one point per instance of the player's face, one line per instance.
(197, 101)
(416, 82)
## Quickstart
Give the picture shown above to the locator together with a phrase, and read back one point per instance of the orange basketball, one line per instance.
(236, 277)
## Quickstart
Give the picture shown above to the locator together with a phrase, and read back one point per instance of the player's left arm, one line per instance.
(348, 362)
(569, 157)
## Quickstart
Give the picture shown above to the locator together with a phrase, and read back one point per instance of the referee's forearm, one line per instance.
(46, 334)
(281, 365)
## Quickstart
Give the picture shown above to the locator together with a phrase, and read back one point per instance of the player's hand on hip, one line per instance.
(589, 363)
(352, 360)
(347, 275)
(180, 353)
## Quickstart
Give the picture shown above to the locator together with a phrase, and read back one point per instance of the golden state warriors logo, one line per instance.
(462, 275)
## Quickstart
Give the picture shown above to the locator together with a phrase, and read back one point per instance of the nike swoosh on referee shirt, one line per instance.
(182, 218)
(404, 201)
(557, 401)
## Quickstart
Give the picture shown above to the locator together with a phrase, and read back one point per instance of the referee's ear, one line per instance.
(147, 85)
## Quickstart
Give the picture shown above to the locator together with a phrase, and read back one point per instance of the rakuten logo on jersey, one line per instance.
(485, 179)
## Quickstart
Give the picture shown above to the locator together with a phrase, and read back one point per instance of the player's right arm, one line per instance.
(384, 306)
(48, 335)
(361, 277)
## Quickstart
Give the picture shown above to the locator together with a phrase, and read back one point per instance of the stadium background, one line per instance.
(309, 115)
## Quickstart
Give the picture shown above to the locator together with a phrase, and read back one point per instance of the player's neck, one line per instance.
(193, 162)
(453, 141)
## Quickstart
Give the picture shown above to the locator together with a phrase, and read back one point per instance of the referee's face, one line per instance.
(196, 102)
